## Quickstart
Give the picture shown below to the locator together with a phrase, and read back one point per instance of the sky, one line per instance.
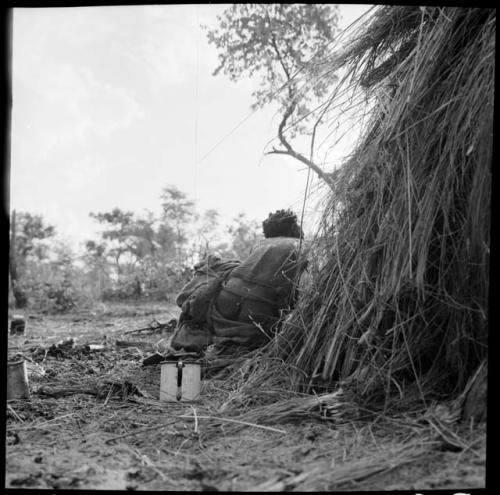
(112, 104)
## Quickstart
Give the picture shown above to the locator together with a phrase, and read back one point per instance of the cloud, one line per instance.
(79, 174)
(174, 48)
(73, 106)
(166, 62)
(70, 83)
(111, 108)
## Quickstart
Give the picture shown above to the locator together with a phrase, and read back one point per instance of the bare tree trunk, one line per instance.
(119, 269)
(19, 295)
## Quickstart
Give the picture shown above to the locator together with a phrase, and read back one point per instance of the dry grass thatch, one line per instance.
(400, 289)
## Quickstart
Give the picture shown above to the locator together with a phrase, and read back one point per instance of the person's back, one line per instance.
(251, 295)
(263, 284)
(272, 261)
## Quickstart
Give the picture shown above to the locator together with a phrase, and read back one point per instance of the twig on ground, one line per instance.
(148, 462)
(195, 420)
(16, 416)
(137, 432)
(43, 424)
(284, 484)
(154, 326)
(245, 423)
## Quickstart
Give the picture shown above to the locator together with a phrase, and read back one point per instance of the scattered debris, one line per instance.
(281, 484)
(68, 348)
(35, 370)
(91, 408)
(96, 347)
(130, 343)
(105, 389)
(155, 327)
(155, 358)
(11, 413)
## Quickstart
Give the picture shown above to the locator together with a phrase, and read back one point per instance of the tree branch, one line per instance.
(315, 168)
(291, 152)
(288, 112)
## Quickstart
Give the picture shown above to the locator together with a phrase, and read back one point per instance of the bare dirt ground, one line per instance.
(94, 421)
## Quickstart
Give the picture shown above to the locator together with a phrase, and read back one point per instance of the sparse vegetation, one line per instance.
(136, 257)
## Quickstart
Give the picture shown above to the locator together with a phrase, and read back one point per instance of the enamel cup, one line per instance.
(17, 380)
(17, 325)
(180, 381)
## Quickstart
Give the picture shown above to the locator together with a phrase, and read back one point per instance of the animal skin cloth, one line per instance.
(245, 300)
(195, 299)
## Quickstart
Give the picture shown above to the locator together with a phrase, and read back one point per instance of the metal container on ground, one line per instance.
(17, 380)
(180, 381)
(17, 325)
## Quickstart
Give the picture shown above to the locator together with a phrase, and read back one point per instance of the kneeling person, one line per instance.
(247, 297)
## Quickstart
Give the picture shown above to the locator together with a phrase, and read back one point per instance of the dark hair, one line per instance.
(282, 223)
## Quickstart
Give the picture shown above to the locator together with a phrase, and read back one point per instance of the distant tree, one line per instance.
(147, 252)
(208, 233)
(209, 225)
(143, 236)
(177, 212)
(30, 230)
(286, 45)
(95, 249)
(95, 258)
(119, 227)
(165, 240)
(60, 292)
(26, 233)
(245, 234)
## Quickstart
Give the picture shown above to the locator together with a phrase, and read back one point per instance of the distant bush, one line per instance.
(153, 283)
(61, 299)
(55, 297)
(55, 286)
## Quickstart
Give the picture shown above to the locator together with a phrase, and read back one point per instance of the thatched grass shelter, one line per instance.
(400, 268)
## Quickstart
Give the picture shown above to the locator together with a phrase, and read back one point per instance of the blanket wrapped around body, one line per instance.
(228, 301)
(254, 293)
(196, 296)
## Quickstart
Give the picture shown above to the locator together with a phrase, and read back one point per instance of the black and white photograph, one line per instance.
(248, 247)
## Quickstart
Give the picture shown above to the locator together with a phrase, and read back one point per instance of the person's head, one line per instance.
(282, 223)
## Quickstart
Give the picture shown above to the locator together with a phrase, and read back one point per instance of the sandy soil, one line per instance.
(94, 421)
